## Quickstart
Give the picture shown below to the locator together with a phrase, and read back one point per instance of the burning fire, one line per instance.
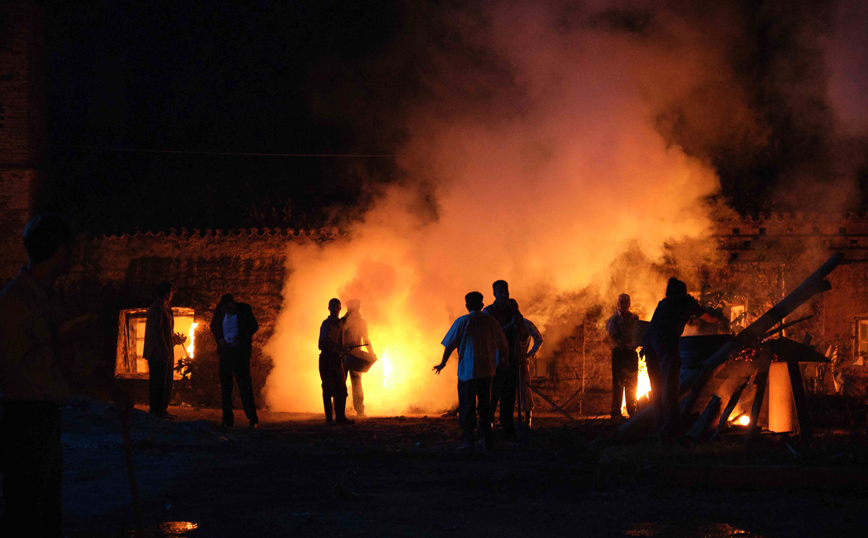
(643, 385)
(387, 368)
(192, 336)
(740, 419)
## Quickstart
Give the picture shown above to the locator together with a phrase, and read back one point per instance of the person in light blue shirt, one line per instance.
(479, 341)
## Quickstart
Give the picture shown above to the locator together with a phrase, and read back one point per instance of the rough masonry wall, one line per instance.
(21, 125)
(583, 359)
(844, 304)
(120, 272)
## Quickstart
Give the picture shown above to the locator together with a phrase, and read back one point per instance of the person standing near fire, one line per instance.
(663, 358)
(505, 381)
(531, 334)
(625, 360)
(160, 342)
(233, 326)
(356, 335)
(35, 377)
(331, 365)
(480, 344)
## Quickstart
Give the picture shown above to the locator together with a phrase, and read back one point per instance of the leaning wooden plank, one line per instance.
(704, 419)
(730, 406)
(640, 424)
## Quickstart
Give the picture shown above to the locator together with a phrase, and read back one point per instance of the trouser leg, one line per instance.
(507, 401)
(655, 378)
(32, 461)
(631, 381)
(156, 386)
(670, 367)
(226, 372)
(341, 406)
(496, 392)
(245, 387)
(170, 380)
(617, 383)
(358, 392)
(483, 397)
(327, 405)
(467, 409)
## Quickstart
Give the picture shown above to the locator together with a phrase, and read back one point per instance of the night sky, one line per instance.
(148, 101)
(205, 78)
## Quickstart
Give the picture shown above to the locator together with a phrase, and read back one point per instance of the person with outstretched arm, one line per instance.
(479, 341)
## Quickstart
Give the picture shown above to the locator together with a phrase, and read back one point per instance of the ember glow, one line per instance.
(740, 419)
(543, 185)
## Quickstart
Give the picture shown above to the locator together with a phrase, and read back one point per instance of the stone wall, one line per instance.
(21, 125)
(114, 273)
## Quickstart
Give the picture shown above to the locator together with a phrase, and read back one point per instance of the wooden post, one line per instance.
(703, 420)
(806, 432)
(641, 423)
(762, 377)
(733, 400)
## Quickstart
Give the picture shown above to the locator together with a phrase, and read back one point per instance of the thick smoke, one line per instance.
(534, 156)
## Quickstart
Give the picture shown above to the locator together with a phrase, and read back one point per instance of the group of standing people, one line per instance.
(661, 352)
(492, 363)
(338, 337)
(232, 325)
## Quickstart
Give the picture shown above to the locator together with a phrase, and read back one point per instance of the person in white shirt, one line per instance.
(233, 326)
(478, 339)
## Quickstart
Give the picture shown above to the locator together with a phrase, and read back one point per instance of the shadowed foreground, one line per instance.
(402, 476)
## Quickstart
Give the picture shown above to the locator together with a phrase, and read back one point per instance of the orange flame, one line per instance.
(192, 336)
(387, 368)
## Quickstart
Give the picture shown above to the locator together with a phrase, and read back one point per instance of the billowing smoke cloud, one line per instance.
(560, 146)
(534, 156)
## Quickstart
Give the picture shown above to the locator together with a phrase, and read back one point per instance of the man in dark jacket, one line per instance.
(233, 326)
(505, 381)
(660, 348)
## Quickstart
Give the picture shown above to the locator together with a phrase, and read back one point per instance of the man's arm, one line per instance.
(537, 338)
(450, 343)
(447, 352)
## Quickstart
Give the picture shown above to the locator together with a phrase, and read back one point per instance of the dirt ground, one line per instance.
(403, 476)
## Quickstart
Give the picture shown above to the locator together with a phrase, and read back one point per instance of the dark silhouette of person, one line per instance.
(531, 334)
(331, 365)
(479, 342)
(662, 356)
(505, 381)
(355, 335)
(160, 341)
(36, 339)
(233, 326)
(625, 360)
